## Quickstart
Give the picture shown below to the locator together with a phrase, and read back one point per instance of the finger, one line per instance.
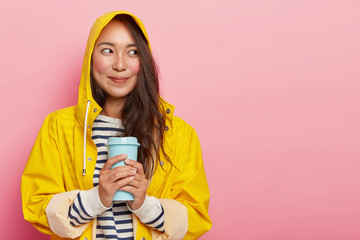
(123, 182)
(136, 184)
(141, 178)
(135, 164)
(113, 175)
(112, 171)
(128, 188)
(133, 190)
(121, 172)
(111, 161)
(139, 183)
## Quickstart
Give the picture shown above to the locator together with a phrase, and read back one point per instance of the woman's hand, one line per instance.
(138, 186)
(111, 180)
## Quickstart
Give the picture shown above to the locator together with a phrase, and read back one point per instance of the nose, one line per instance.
(119, 64)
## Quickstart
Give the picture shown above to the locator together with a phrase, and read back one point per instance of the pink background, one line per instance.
(272, 88)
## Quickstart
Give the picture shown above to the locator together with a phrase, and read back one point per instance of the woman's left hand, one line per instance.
(138, 186)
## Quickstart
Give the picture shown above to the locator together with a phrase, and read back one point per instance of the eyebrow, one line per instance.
(113, 45)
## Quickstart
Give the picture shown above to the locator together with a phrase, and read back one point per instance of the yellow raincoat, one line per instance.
(63, 159)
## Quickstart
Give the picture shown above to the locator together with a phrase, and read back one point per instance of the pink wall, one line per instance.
(272, 88)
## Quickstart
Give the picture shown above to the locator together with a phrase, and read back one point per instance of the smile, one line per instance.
(118, 80)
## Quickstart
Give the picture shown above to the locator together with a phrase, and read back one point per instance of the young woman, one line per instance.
(68, 183)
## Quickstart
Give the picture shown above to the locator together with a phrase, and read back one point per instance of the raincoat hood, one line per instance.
(85, 94)
(86, 102)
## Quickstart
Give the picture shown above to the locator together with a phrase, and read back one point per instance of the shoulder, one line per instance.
(63, 118)
(181, 126)
(186, 145)
(183, 133)
(177, 126)
(64, 114)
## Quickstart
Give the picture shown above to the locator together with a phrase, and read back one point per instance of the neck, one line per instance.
(113, 107)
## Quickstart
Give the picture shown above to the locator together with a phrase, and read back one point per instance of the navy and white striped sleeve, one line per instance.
(86, 207)
(151, 213)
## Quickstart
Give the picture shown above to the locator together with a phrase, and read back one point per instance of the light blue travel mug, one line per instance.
(123, 145)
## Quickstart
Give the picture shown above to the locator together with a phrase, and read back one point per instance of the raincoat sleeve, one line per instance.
(186, 214)
(42, 183)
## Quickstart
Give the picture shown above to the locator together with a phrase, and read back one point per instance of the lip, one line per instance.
(118, 80)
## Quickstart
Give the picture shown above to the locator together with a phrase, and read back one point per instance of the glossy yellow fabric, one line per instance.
(56, 160)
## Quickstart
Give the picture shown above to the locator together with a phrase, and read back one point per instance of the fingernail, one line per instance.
(133, 170)
(127, 161)
(125, 155)
(131, 178)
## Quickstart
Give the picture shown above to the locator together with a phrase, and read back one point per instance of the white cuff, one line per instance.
(150, 209)
(91, 202)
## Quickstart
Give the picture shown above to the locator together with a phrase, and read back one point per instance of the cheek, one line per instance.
(99, 65)
(134, 67)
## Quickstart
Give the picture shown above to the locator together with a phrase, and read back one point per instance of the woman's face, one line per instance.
(115, 61)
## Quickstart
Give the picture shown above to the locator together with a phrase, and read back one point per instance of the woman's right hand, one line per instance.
(110, 180)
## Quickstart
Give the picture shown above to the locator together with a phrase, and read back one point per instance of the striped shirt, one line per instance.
(114, 222)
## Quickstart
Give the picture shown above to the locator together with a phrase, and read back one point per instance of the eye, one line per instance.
(133, 52)
(106, 50)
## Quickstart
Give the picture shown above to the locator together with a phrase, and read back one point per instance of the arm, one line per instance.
(86, 207)
(44, 198)
(190, 189)
(151, 213)
(147, 209)
(42, 177)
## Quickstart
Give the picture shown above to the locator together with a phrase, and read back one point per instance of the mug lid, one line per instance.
(123, 140)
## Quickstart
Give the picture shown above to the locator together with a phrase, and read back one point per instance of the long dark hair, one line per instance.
(142, 115)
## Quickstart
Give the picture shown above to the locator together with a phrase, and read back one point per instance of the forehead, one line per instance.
(115, 32)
